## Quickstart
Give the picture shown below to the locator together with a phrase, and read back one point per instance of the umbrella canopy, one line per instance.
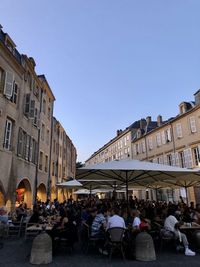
(136, 173)
(83, 192)
(70, 184)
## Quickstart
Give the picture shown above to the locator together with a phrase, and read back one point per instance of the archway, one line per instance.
(23, 193)
(42, 193)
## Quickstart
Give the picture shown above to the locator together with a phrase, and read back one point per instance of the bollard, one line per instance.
(41, 252)
(144, 247)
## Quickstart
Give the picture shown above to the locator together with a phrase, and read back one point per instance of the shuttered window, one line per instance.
(8, 135)
(192, 123)
(8, 87)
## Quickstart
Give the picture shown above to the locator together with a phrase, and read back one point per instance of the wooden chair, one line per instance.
(116, 235)
(14, 228)
(86, 238)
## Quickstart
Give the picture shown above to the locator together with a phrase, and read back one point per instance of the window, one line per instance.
(163, 137)
(46, 163)
(42, 132)
(158, 139)
(150, 143)
(168, 135)
(53, 168)
(143, 146)
(8, 135)
(179, 130)
(44, 106)
(27, 100)
(35, 120)
(41, 160)
(14, 94)
(47, 137)
(188, 158)
(196, 152)
(192, 125)
(181, 159)
(8, 87)
(169, 159)
(49, 113)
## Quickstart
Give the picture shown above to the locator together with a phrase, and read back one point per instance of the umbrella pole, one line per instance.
(156, 194)
(127, 189)
(90, 194)
(186, 193)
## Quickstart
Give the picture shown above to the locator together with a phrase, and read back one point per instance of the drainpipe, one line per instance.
(38, 151)
(50, 156)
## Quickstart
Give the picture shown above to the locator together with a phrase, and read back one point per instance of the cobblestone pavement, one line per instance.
(16, 253)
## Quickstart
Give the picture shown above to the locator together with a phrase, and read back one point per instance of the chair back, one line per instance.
(116, 234)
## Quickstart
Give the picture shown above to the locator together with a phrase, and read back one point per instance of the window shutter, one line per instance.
(192, 124)
(32, 109)
(8, 87)
(173, 159)
(163, 137)
(7, 137)
(177, 159)
(165, 160)
(20, 140)
(2, 80)
(27, 100)
(188, 158)
(134, 150)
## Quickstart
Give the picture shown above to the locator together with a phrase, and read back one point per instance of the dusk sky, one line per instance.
(109, 62)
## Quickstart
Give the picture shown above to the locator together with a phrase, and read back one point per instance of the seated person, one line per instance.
(136, 221)
(3, 215)
(171, 224)
(115, 220)
(99, 224)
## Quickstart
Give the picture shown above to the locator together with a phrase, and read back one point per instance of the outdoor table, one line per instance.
(190, 226)
(40, 227)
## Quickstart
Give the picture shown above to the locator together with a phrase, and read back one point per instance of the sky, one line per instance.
(109, 62)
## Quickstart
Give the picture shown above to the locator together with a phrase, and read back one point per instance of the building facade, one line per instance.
(63, 161)
(174, 142)
(26, 120)
(120, 147)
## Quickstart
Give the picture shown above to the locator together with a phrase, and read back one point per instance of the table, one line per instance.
(190, 226)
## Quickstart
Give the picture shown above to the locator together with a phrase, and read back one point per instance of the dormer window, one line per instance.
(10, 44)
(138, 133)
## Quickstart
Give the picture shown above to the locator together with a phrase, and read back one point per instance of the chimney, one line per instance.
(148, 120)
(197, 97)
(142, 123)
(119, 132)
(159, 120)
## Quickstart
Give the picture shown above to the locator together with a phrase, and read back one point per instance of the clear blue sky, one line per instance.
(109, 62)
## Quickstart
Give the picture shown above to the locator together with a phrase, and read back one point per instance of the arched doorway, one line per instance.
(23, 193)
(42, 193)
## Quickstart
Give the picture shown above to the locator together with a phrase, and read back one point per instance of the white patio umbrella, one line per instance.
(70, 184)
(135, 173)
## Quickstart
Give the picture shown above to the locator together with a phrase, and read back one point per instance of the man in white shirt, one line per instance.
(115, 220)
(172, 225)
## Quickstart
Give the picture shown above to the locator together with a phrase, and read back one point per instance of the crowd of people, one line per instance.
(103, 214)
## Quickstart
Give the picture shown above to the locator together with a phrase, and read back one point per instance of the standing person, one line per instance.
(171, 224)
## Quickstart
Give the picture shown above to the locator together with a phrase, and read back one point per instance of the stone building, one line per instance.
(26, 121)
(174, 142)
(63, 161)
